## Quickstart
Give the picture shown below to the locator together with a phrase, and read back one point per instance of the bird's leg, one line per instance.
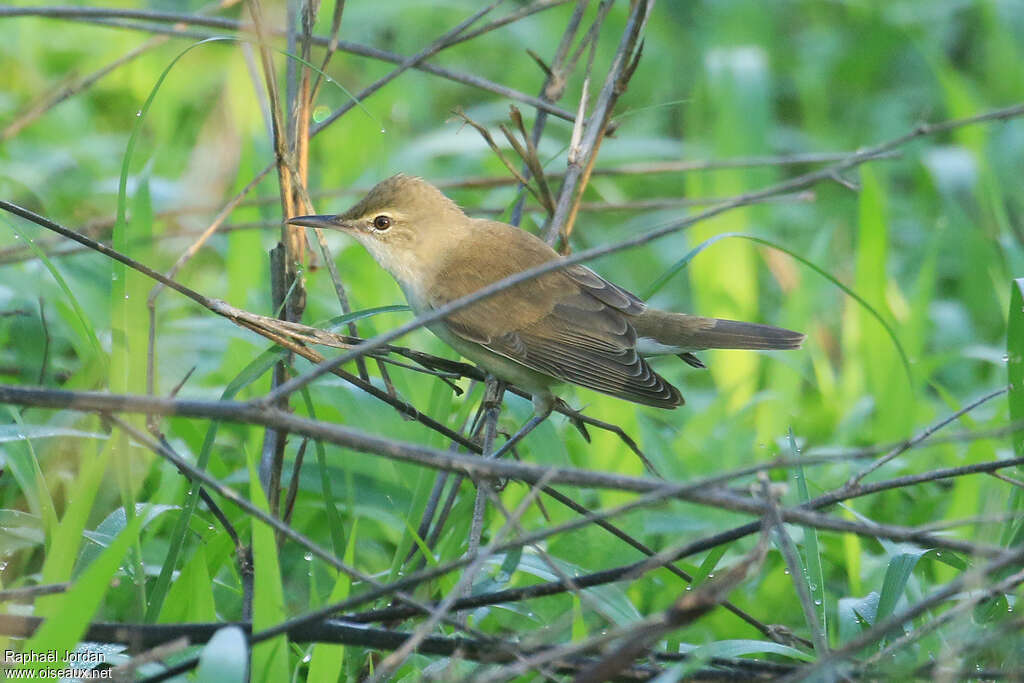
(491, 404)
(575, 417)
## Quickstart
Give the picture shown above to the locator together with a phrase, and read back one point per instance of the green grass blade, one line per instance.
(191, 596)
(85, 327)
(269, 658)
(112, 526)
(63, 548)
(68, 615)
(330, 502)
(709, 564)
(25, 432)
(327, 659)
(1015, 360)
(24, 466)
(249, 374)
(815, 575)
(897, 573)
(360, 315)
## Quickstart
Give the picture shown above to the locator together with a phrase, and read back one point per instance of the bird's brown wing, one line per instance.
(570, 324)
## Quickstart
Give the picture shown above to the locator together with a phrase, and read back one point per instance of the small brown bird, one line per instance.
(569, 325)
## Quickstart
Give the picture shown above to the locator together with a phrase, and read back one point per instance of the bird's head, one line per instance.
(404, 222)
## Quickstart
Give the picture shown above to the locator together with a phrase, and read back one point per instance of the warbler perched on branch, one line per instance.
(567, 325)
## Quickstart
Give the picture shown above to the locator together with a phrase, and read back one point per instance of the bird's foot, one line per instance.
(575, 417)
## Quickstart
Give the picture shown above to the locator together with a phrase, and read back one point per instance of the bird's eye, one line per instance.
(382, 222)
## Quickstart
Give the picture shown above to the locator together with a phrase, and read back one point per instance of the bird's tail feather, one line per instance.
(732, 334)
(683, 332)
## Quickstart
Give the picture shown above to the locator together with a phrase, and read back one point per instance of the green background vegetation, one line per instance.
(930, 239)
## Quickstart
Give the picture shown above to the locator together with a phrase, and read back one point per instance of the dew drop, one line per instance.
(818, 603)
(138, 113)
(308, 557)
(320, 112)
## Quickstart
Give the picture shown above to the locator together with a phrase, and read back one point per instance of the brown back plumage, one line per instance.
(571, 324)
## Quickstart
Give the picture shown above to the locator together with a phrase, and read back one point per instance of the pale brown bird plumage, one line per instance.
(568, 325)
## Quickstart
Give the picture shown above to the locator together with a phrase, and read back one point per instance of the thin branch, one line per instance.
(98, 14)
(472, 466)
(446, 40)
(856, 479)
(552, 91)
(632, 571)
(583, 156)
(30, 592)
(139, 636)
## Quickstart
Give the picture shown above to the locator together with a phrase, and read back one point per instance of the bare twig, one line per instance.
(489, 139)
(233, 411)
(856, 479)
(108, 16)
(583, 155)
(30, 592)
(552, 91)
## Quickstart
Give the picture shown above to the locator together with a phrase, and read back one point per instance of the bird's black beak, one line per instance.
(325, 222)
